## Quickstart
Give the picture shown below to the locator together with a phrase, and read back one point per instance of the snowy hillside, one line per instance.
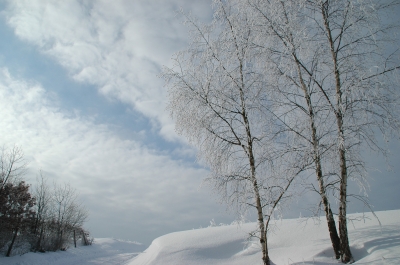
(294, 241)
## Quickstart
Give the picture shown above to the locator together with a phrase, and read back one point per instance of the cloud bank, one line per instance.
(119, 47)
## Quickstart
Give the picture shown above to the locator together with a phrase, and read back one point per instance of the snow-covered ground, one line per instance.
(293, 241)
(104, 251)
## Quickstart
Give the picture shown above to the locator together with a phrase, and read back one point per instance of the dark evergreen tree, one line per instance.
(16, 213)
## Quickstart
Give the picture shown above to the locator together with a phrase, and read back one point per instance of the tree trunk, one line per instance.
(74, 239)
(85, 241)
(344, 240)
(39, 243)
(12, 242)
(250, 155)
(318, 168)
(335, 240)
(328, 212)
(332, 229)
(266, 259)
(60, 240)
(263, 235)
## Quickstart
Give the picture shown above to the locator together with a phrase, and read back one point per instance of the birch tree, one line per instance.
(330, 66)
(297, 100)
(215, 94)
(337, 53)
(359, 82)
(288, 86)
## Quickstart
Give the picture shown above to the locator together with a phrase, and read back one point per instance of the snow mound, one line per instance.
(292, 241)
(201, 246)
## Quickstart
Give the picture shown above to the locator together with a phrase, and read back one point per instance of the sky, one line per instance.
(80, 93)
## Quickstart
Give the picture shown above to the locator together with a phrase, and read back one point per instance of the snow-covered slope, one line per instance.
(295, 241)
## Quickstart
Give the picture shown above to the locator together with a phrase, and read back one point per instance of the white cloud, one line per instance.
(118, 46)
(115, 177)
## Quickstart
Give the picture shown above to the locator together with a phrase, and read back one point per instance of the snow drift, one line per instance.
(293, 241)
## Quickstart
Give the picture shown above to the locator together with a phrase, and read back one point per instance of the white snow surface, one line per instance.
(290, 241)
(102, 251)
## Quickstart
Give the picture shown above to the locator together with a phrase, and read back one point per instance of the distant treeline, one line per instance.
(47, 218)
